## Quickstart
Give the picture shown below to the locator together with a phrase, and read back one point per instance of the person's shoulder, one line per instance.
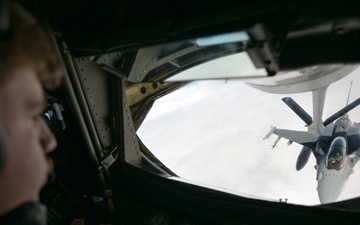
(32, 213)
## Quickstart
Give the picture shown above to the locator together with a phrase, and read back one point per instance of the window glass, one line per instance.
(232, 66)
(211, 132)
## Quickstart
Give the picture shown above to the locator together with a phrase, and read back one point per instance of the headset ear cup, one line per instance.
(2, 145)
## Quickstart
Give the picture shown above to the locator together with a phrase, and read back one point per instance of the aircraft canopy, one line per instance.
(336, 154)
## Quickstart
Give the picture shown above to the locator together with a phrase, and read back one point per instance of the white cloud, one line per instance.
(212, 132)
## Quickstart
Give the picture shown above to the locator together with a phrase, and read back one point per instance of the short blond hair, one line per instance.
(26, 42)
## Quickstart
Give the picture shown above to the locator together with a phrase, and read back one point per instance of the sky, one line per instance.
(212, 132)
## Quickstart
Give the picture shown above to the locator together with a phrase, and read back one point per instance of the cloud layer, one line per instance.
(212, 132)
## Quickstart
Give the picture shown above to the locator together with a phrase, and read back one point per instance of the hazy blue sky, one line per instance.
(212, 132)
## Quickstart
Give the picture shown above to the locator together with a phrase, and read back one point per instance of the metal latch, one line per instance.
(109, 159)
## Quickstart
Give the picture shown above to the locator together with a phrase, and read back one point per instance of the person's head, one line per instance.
(28, 61)
(26, 43)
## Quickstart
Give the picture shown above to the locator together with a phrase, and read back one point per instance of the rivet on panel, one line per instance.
(143, 90)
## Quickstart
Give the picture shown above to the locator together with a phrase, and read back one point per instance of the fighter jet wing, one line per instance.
(355, 159)
(301, 137)
(356, 125)
(353, 139)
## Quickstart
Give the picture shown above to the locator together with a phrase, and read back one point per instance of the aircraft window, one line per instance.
(211, 132)
(223, 38)
(335, 161)
(336, 155)
(237, 65)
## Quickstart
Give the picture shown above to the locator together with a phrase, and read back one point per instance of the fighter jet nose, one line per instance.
(330, 187)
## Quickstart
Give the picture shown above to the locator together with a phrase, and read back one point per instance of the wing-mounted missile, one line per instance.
(303, 158)
(275, 143)
(298, 110)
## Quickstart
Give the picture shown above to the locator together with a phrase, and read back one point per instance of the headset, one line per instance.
(4, 26)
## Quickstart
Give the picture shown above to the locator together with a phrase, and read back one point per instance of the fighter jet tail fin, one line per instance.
(342, 111)
(298, 110)
(308, 119)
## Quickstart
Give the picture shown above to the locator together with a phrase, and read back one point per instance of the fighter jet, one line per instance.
(335, 143)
